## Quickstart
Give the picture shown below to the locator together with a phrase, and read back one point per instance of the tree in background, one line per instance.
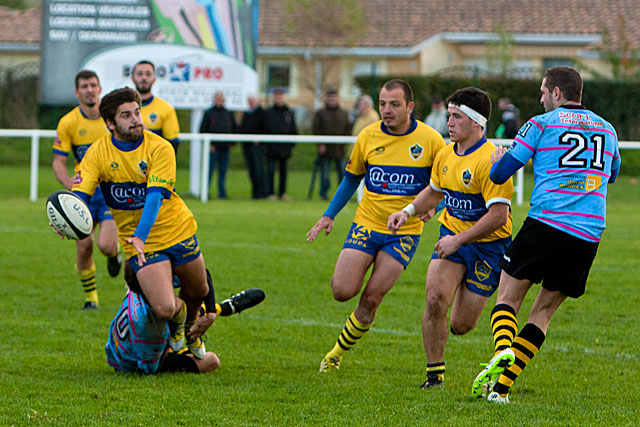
(325, 22)
(617, 50)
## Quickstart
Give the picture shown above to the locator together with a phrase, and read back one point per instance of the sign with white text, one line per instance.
(198, 47)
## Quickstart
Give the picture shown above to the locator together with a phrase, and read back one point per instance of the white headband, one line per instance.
(472, 114)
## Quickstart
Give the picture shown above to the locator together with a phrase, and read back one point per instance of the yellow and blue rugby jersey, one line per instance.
(468, 191)
(396, 169)
(160, 118)
(75, 133)
(125, 177)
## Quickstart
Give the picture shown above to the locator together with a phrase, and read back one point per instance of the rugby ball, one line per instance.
(69, 215)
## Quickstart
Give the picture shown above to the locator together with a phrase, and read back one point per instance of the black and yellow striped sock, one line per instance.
(88, 282)
(436, 371)
(525, 346)
(504, 325)
(352, 332)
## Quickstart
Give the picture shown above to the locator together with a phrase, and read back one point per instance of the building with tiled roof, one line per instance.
(309, 51)
(428, 36)
(20, 36)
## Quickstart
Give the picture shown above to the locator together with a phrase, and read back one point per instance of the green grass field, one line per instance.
(53, 369)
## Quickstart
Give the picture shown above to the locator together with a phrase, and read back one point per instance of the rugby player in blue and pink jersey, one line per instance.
(575, 156)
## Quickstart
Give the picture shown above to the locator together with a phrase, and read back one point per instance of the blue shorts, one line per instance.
(178, 254)
(400, 246)
(98, 207)
(482, 260)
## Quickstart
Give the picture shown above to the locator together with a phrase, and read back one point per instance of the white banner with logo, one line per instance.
(186, 76)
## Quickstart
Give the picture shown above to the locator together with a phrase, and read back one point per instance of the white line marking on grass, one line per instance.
(305, 322)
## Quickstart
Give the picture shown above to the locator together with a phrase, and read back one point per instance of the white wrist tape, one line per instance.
(410, 209)
(472, 114)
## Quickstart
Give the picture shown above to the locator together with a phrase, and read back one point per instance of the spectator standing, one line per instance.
(330, 120)
(437, 118)
(218, 119)
(280, 121)
(366, 115)
(509, 121)
(254, 121)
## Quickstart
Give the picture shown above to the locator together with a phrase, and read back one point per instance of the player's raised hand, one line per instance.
(323, 222)
(138, 244)
(498, 153)
(397, 220)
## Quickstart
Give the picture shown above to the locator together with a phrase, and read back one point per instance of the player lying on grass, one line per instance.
(139, 340)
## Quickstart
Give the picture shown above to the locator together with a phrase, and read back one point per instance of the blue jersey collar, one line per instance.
(85, 116)
(125, 145)
(471, 149)
(146, 102)
(412, 127)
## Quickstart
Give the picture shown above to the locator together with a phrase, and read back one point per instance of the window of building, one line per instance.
(278, 75)
(556, 62)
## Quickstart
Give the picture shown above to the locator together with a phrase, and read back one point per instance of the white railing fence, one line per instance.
(200, 143)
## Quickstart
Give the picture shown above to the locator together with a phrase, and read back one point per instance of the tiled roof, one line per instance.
(404, 23)
(19, 26)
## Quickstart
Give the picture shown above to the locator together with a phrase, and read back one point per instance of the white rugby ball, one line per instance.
(69, 215)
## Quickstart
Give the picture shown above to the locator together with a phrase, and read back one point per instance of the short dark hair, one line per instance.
(567, 79)
(144, 61)
(332, 92)
(400, 84)
(111, 101)
(85, 75)
(474, 98)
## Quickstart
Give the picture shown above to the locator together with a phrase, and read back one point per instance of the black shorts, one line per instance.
(175, 362)
(541, 253)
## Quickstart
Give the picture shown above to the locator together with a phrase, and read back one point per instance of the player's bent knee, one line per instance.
(165, 310)
(211, 362)
(461, 328)
(341, 292)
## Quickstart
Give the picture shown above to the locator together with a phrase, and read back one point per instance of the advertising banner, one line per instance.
(198, 47)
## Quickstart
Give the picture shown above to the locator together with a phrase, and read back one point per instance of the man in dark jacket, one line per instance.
(280, 121)
(218, 119)
(330, 120)
(254, 121)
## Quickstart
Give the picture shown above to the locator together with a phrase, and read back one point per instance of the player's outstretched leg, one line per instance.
(351, 333)
(525, 347)
(241, 301)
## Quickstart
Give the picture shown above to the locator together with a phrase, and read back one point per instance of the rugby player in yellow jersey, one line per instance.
(475, 231)
(76, 131)
(157, 114)
(136, 170)
(395, 157)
